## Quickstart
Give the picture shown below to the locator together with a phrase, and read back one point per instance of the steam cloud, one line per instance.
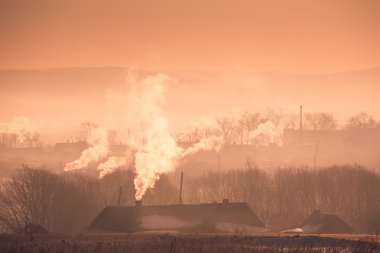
(207, 143)
(111, 164)
(157, 153)
(97, 138)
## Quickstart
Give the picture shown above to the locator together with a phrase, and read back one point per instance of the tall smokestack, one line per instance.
(180, 202)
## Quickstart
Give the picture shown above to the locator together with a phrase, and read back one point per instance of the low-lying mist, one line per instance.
(135, 130)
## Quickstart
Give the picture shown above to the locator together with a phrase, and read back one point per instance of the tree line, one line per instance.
(234, 130)
(281, 198)
(238, 130)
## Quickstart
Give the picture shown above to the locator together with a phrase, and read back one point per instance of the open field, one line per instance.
(194, 242)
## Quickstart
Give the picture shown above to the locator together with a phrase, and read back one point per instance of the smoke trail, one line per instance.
(115, 162)
(158, 153)
(97, 138)
(111, 165)
(155, 150)
(208, 143)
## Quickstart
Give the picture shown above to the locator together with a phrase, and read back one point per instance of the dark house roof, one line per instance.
(327, 223)
(127, 218)
(31, 228)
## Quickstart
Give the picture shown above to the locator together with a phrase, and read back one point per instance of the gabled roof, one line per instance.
(31, 228)
(326, 223)
(128, 218)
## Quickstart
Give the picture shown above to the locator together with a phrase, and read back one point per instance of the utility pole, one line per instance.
(180, 202)
(219, 162)
(301, 118)
(119, 196)
(300, 124)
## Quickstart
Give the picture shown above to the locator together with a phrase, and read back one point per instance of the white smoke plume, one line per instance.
(267, 133)
(97, 138)
(111, 165)
(158, 152)
(208, 143)
(155, 150)
(151, 147)
(115, 162)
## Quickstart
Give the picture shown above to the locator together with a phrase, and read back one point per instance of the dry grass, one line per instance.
(183, 243)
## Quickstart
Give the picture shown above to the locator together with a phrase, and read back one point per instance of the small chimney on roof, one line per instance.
(138, 203)
(225, 201)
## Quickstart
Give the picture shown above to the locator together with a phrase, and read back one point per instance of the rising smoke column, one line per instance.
(97, 138)
(156, 151)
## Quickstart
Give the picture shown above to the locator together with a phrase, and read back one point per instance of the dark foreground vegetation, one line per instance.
(282, 198)
(166, 242)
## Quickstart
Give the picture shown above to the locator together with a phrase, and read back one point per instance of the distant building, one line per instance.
(223, 217)
(322, 223)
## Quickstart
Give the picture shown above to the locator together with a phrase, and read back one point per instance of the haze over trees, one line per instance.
(362, 120)
(282, 199)
(320, 121)
(235, 130)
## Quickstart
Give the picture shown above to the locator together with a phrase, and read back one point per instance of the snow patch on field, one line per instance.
(234, 227)
(303, 230)
(164, 222)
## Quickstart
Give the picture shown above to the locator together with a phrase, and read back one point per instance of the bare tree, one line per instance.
(239, 131)
(361, 120)
(250, 122)
(31, 196)
(113, 138)
(275, 117)
(284, 197)
(320, 121)
(57, 202)
(85, 128)
(31, 139)
(226, 127)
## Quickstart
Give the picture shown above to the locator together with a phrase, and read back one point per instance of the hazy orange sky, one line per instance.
(298, 36)
(223, 53)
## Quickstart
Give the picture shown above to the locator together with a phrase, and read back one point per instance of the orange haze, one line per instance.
(297, 36)
(227, 56)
